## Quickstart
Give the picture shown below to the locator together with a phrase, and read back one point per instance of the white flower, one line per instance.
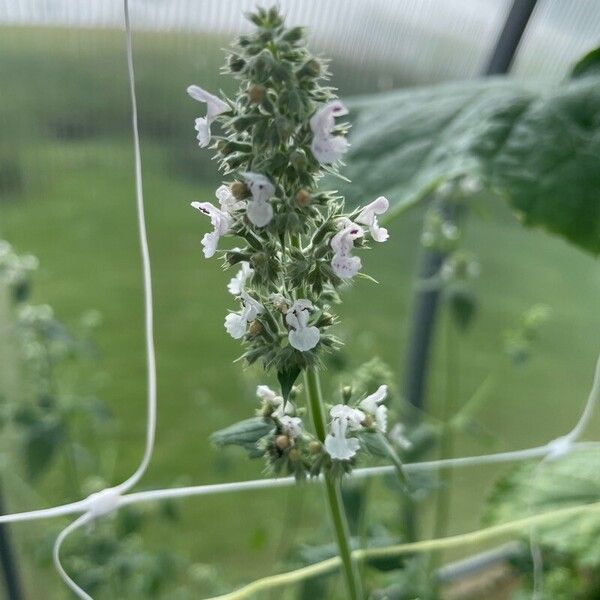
(227, 199)
(398, 437)
(302, 337)
(337, 445)
(275, 401)
(368, 217)
(292, 426)
(221, 221)
(280, 302)
(214, 107)
(220, 218)
(237, 283)
(259, 211)
(328, 148)
(235, 323)
(345, 265)
(353, 416)
(372, 405)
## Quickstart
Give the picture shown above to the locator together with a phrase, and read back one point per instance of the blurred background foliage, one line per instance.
(67, 197)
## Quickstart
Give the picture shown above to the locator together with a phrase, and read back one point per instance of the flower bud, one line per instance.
(314, 447)
(295, 455)
(325, 320)
(282, 442)
(346, 393)
(258, 260)
(303, 198)
(312, 68)
(236, 63)
(298, 159)
(239, 190)
(234, 257)
(255, 328)
(368, 421)
(256, 93)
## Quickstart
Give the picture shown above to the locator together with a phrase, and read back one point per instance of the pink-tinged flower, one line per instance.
(345, 265)
(326, 147)
(236, 323)
(214, 107)
(337, 445)
(368, 217)
(220, 218)
(301, 336)
(259, 210)
(221, 221)
(373, 406)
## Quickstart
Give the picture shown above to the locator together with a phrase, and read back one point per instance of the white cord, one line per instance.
(149, 313)
(62, 536)
(96, 505)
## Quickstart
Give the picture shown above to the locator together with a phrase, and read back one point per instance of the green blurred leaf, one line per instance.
(588, 65)
(538, 147)
(534, 489)
(41, 442)
(244, 433)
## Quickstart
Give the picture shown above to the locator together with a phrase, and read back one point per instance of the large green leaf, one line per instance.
(535, 488)
(537, 146)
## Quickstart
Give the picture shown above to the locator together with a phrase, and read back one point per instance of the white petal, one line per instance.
(344, 412)
(343, 241)
(381, 418)
(202, 126)
(237, 283)
(227, 199)
(305, 338)
(368, 216)
(215, 106)
(235, 325)
(260, 186)
(259, 212)
(264, 392)
(370, 403)
(292, 426)
(346, 267)
(323, 121)
(209, 243)
(329, 149)
(301, 304)
(337, 445)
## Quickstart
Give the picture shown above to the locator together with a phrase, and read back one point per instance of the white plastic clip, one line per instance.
(103, 502)
(559, 447)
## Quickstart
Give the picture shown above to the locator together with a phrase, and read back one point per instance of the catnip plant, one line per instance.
(296, 248)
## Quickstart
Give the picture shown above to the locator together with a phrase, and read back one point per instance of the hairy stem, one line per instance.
(333, 489)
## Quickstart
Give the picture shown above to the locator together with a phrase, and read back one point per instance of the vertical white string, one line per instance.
(147, 274)
(148, 323)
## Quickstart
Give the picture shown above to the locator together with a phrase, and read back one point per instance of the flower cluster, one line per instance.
(295, 245)
(278, 137)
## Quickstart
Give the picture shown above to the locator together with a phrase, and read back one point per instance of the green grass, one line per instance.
(76, 212)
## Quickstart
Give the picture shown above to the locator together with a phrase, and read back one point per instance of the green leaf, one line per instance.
(41, 442)
(245, 433)
(534, 488)
(537, 147)
(287, 377)
(588, 65)
(463, 305)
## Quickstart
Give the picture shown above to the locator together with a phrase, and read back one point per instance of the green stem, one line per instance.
(447, 439)
(333, 489)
